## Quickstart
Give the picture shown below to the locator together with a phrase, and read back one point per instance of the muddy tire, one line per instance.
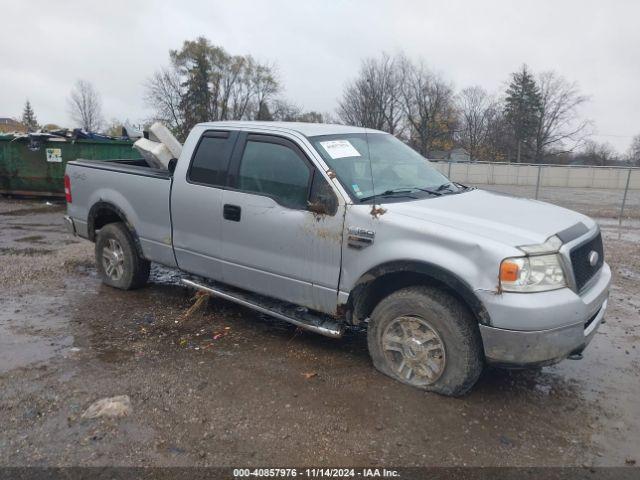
(426, 338)
(117, 260)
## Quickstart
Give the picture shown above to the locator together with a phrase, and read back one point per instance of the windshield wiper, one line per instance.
(405, 191)
(389, 193)
(463, 187)
(435, 192)
(445, 186)
(448, 186)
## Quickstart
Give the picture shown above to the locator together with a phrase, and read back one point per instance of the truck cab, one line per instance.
(331, 226)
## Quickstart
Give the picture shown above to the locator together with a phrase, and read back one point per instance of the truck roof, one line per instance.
(306, 129)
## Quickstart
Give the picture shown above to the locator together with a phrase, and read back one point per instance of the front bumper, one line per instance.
(543, 328)
(517, 348)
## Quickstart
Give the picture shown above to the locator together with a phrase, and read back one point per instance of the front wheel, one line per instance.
(426, 338)
(117, 259)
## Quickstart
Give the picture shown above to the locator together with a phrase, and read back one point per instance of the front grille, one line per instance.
(583, 271)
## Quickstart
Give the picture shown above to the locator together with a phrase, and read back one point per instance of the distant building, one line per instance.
(9, 125)
(459, 155)
(438, 155)
(455, 155)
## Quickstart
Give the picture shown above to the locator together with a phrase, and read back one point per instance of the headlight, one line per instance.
(536, 273)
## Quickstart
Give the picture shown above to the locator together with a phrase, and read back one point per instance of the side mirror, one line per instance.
(322, 200)
(171, 166)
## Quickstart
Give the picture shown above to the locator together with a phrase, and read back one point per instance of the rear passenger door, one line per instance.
(272, 243)
(196, 205)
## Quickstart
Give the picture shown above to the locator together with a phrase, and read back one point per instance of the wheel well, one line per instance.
(102, 214)
(103, 219)
(381, 281)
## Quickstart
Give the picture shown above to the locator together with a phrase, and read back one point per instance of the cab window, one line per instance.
(276, 170)
(211, 159)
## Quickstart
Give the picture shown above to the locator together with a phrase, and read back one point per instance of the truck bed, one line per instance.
(136, 191)
(130, 166)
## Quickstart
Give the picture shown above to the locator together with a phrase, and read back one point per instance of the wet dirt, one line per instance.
(32, 239)
(32, 332)
(227, 386)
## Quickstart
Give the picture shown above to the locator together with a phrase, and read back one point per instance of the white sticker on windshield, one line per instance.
(340, 149)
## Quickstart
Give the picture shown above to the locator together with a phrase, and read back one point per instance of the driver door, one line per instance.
(271, 242)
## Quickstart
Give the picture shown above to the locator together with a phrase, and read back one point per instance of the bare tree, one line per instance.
(312, 117)
(241, 94)
(163, 93)
(265, 86)
(634, 151)
(85, 106)
(428, 106)
(285, 111)
(499, 139)
(372, 100)
(595, 153)
(228, 73)
(559, 128)
(476, 111)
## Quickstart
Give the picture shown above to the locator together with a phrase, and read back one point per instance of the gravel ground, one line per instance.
(226, 386)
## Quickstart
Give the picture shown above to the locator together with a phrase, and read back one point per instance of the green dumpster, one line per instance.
(37, 168)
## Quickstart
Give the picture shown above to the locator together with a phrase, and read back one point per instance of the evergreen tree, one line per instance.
(194, 65)
(29, 118)
(263, 112)
(522, 108)
(206, 83)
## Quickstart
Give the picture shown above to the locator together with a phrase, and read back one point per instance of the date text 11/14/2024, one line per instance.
(316, 472)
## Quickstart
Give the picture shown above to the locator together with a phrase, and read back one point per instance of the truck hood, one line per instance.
(503, 218)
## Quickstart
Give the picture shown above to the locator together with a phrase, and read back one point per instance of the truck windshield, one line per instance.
(378, 164)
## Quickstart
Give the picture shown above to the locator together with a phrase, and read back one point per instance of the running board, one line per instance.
(298, 316)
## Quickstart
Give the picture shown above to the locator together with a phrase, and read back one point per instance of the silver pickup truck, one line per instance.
(331, 226)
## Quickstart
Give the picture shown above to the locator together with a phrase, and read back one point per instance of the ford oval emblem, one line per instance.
(593, 258)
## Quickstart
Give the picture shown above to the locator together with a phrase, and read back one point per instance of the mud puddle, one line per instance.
(32, 331)
(165, 276)
(24, 237)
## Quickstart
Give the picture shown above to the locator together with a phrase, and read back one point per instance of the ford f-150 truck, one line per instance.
(331, 226)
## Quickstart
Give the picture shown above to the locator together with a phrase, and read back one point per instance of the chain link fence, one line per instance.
(600, 192)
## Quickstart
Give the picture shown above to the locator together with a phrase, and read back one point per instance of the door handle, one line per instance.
(231, 212)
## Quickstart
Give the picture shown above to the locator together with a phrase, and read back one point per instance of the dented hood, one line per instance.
(503, 218)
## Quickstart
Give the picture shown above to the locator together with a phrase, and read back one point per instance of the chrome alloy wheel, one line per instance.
(414, 351)
(113, 260)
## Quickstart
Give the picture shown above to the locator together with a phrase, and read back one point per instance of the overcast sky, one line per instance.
(318, 46)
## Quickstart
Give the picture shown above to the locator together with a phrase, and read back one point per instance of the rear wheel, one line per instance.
(117, 259)
(426, 338)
